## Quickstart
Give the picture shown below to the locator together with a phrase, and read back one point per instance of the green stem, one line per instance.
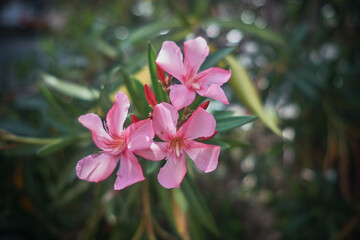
(139, 231)
(4, 135)
(145, 200)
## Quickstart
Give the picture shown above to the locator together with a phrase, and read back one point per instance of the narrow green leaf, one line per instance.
(218, 142)
(232, 142)
(180, 13)
(224, 124)
(150, 30)
(6, 136)
(263, 34)
(200, 7)
(141, 102)
(104, 101)
(150, 166)
(196, 231)
(72, 193)
(198, 206)
(107, 49)
(55, 107)
(223, 114)
(129, 83)
(157, 88)
(165, 203)
(246, 92)
(70, 89)
(108, 89)
(55, 145)
(216, 57)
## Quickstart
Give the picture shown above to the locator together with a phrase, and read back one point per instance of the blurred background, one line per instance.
(294, 173)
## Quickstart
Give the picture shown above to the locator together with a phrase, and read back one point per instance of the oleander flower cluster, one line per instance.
(177, 137)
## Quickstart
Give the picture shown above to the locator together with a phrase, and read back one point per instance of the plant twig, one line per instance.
(140, 230)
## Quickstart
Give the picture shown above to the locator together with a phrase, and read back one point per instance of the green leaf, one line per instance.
(246, 92)
(198, 206)
(150, 166)
(216, 57)
(55, 145)
(69, 195)
(150, 30)
(133, 92)
(223, 114)
(6, 136)
(165, 203)
(70, 89)
(200, 7)
(233, 142)
(263, 34)
(54, 105)
(218, 142)
(141, 102)
(224, 124)
(183, 17)
(108, 88)
(196, 231)
(157, 88)
(107, 49)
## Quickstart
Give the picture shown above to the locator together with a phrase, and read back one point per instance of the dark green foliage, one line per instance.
(304, 63)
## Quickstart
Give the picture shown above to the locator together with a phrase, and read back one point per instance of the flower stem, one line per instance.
(181, 218)
(139, 231)
(147, 211)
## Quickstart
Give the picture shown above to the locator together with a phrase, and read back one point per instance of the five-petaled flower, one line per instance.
(116, 144)
(177, 142)
(206, 83)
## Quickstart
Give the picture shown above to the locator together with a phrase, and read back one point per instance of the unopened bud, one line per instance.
(150, 96)
(134, 118)
(160, 74)
(205, 105)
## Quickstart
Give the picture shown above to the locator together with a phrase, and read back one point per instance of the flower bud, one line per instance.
(160, 74)
(134, 118)
(205, 105)
(150, 96)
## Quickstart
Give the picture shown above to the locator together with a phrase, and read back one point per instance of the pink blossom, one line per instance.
(181, 141)
(206, 83)
(117, 145)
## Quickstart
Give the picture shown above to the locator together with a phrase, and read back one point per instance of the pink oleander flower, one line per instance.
(206, 83)
(117, 145)
(182, 141)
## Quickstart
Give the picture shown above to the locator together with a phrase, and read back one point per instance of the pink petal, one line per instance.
(129, 172)
(181, 96)
(173, 172)
(213, 91)
(139, 135)
(170, 59)
(94, 124)
(164, 121)
(204, 156)
(96, 167)
(200, 124)
(195, 52)
(117, 114)
(156, 152)
(140, 142)
(213, 75)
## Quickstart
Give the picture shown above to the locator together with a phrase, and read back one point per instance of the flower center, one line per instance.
(195, 86)
(176, 144)
(118, 143)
